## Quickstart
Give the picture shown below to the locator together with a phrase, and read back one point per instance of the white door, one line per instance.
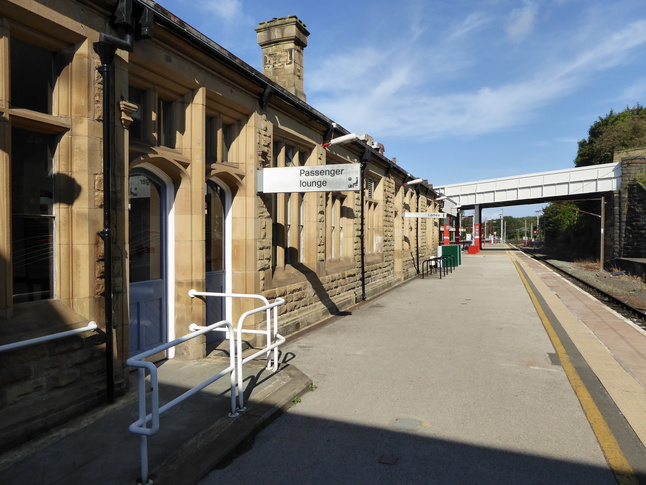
(148, 258)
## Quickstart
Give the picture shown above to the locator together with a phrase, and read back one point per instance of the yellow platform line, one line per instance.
(610, 447)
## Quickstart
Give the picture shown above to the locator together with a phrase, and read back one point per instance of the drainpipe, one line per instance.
(417, 230)
(106, 48)
(363, 228)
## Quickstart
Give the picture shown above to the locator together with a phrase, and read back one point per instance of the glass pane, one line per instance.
(165, 132)
(136, 128)
(145, 229)
(31, 76)
(214, 227)
(32, 202)
(32, 241)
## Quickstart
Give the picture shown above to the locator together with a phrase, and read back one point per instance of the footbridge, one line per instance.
(569, 184)
(534, 188)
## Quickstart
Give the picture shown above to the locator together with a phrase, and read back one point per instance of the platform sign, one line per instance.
(426, 215)
(318, 178)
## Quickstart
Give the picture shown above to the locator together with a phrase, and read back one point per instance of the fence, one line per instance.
(234, 335)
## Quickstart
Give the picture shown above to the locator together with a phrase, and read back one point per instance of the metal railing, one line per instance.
(272, 338)
(140, 426)
(39, 340)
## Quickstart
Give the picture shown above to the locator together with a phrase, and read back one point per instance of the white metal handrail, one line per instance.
(272, 338)
(140, 426)
(46, 338)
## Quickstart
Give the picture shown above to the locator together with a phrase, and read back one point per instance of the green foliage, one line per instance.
(613, 132)
(560, 218)
(641, 179)
(571, 229)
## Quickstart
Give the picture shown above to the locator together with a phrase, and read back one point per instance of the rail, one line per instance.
(140, 426)
(441, 264)
(272, 338)
(46, 338)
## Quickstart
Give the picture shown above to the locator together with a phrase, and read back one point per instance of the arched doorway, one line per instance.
(151, 279)
(217, 225)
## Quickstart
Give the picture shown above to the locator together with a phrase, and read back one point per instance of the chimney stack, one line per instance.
(282, 41)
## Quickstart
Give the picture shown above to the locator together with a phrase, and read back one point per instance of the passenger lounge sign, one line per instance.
(319, 178)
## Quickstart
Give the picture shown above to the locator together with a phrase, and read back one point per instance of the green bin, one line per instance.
(454, 250)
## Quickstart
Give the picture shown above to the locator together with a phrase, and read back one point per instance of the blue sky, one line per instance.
(457, 90)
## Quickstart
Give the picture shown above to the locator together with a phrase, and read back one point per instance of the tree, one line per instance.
(613, 132)
(569, 231)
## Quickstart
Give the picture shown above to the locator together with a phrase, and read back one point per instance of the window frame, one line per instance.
(287, 211)
(373, 222)
(53, 121)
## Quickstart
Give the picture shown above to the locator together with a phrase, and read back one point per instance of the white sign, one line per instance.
(318, 178)
(426, 215)
(139, 187)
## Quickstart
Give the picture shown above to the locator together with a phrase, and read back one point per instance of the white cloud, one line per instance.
(471, 23)
(228, 10)
(634, 93)
(386, 93)
(521, 22)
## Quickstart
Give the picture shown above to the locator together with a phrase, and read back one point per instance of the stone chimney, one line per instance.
(282, 41)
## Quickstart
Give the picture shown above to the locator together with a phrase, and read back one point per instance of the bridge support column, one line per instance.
(477, 240)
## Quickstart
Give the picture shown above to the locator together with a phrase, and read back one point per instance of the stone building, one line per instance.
(121, 95)
(626, 214)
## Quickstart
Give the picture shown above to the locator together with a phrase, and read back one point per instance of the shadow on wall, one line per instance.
(44, 384)
(318, 287)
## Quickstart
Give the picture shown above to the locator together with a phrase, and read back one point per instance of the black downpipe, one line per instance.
(106, 52)
(106, 48)
(417, 231)
(363, 228)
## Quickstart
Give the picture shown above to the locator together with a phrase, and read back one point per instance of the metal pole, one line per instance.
(363, 229)
(106, 52)
(603, 226)
(417, 231)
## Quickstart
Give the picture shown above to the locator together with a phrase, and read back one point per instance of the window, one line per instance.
(220, 135)
(301, 227)
(214, 201)
(32, 217)
(32, 152)
(372, 215)
(288, 228)
(337, 212)
(165, 126)
(137, 126)
(31, 77)
(155, 121)
(287, 211)
(146, 199)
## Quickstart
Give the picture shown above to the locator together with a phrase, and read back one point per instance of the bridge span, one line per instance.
(568, 184)
(573, 183)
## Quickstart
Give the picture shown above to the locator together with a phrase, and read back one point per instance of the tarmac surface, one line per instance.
(500, 372)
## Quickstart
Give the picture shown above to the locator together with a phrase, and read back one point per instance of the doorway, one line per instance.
(150, 228)
(217, 260)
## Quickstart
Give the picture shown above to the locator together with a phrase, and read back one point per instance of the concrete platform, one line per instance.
(478, 377)
(452, 381)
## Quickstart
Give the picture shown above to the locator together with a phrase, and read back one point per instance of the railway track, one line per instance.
(636, 315)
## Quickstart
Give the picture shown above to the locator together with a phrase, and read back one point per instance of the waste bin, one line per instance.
(452, 250)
